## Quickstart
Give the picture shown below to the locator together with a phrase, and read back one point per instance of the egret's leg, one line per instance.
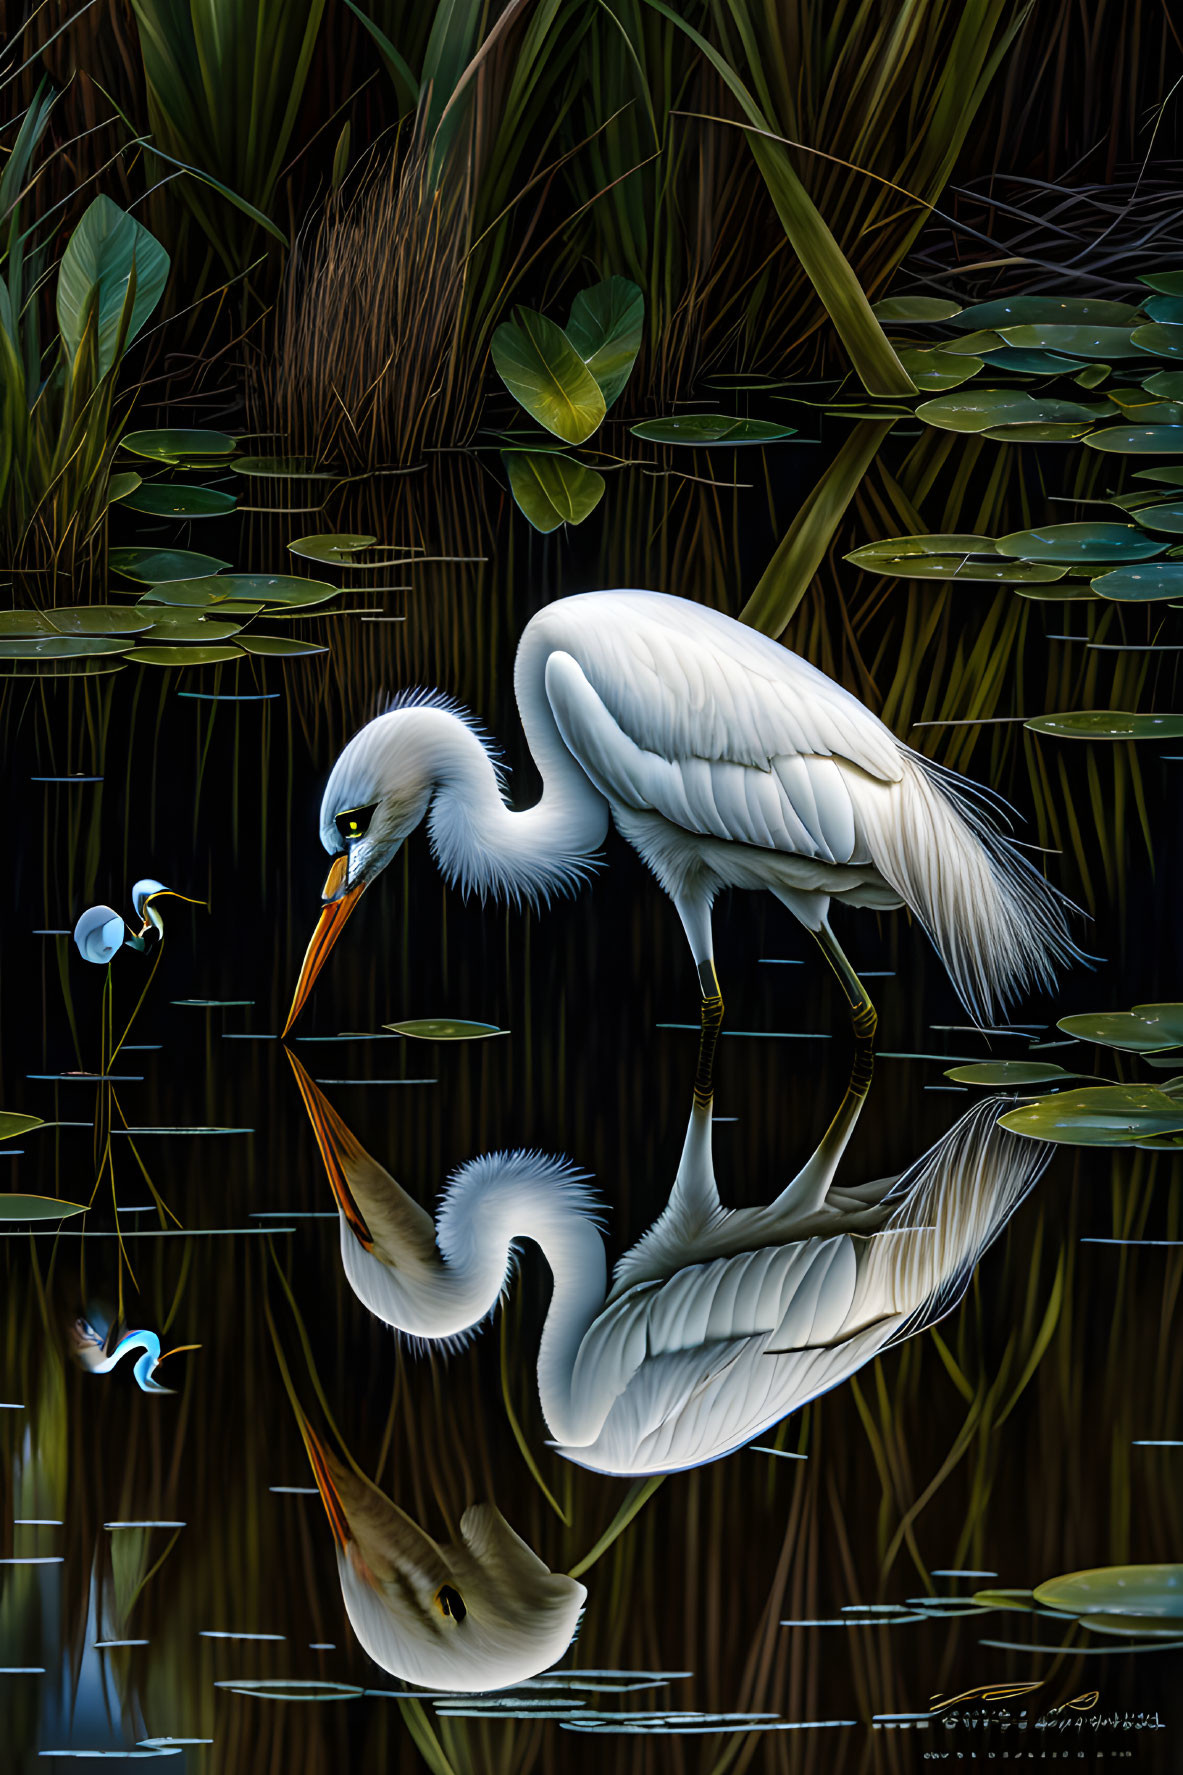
(862, 1012)
(708, 1039)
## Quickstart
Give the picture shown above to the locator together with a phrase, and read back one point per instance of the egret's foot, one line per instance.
(708, 1040)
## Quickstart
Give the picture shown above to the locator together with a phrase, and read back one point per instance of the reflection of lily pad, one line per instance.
(1147, 1029)
(1086, 543)
(711, 428)
(1022, 311)
(279, 647)
(37, 1208)
(551, 489)
(1108, 724)
(1009, 1072)
(166, 446)
(155, 566)
(61, 646)
(1138, 440)
(443, 1029)
(13, 1125)
(172, 499)
(1123, 1590)
(283, 468)
(903, 309)
(1104, 1115)
(184, 656)
(1152, 579)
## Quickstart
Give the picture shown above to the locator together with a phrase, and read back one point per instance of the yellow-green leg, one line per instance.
(862, 1012)
(708, 1039)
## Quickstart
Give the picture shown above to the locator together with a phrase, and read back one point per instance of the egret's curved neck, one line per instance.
(135, 1340)
(484, 845)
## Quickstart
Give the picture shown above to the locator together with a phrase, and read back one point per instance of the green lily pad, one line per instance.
(37, 1208)
(979, 409)
(605, 328)
(1138, 440)
(443, 1029)
(1167, 1018)
(280, 590)
(189, 625)
(1041, 311)
(1023, 1600)
(1151, 580)
(1009, 1072)
(171, 499)
(896, 548)
(61, 646)
(546, 375)
(1074, 591)
(1167, 283)
(1104, 1115)
(702, 429)
(81, 619)
(337, 549)
(185, 656)
(551, 489)
(119, 486)
(155, 566)
(1167, 517)
(1035, 432)
(1127, 1030)
(165, 446)
(902, 310)
(1126, 1591)
(1081, 341)
(12, 1125)
(973, 344)
(1108, 724)
(933, 368)
(279, 647)
(1144, 407)
(1077, 544)
(282, 468)
(1092, 375)
(1162, 341)
(1167, 474)
(1168, 384)
(1033, 363)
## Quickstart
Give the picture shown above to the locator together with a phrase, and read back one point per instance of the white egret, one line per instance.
(99, 1352)
(717, 1323)
(480, 1613)
(726, 761)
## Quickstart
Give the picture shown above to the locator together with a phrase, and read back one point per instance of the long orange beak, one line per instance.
(330, 1496)
(337, 1145)
(330, 924)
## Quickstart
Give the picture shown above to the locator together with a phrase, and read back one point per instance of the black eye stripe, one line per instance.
(354, 822)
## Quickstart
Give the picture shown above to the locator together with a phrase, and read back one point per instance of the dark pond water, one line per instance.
(170, 1571)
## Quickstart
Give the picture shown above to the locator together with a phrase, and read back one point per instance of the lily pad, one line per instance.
(1078, 341)
(979, 409)
(281, 590)
(96, 619)
(1092, 375)
(282, 468)
(443, 1029)
(190, 625)
(1167, 283)
(551, 489)
(895, 548)
(185, 656)
(1104, 1115)
(1150, 580)
(12, 1125)
(1021, 311)
(605, 328)
(701, 429)
(1166, 383)
(155, 566)
(1127, 1030)
(172, 499)
(1009, 1072)
(1035, 432)
(546, 375)
(934, 368)
(166, 446)
(1166, 517)
(61, 646)
(1036, 363)
(901, 310)
(336, 549)
(1162, 341)
(13, 1207)
(1074, 544)
(1074, 591)
(1167, 475)
(1108, 724)
(1138, 440)
(1144, 407)
(1126, 1591)
(279, 647)
(119, 486)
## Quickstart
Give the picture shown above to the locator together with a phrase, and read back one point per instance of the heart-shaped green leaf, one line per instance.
(546, 375)
(551, 489)
(605, 328)
(95, 279)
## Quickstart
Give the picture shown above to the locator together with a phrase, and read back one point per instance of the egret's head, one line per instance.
(377, 793)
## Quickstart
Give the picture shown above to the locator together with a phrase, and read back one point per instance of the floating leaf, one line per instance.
(190, 625)
(1167, 1018)
(443, 1029)
(1074, 591)
(1125, 1591)
(1021, 311)
(1108, 724)
(13, 1125)
(1039, 363)
(280, 590)
(1145, 408)
(1074, 544)
(155, 566)
(711, 428)
(279, 647)
(1092, 375)
(1126, 1030)
(1138, 440)
(37, 1208)
(1168, 475)
(172, 499)
(119, 486)
(184, 656)
(95, 619)
(1165, 517)
(1168, 283)
(61, 646)
(546, 375)
(283, 468)
(95, 279)
(897, 548)
(166, 446)
(1083, 341)
(1162, 341)
(1009, 1072)
(336, 549)
(1166, 383)
(973, 344)
(1105, 1115)
(1037, 432)
(551, 489)
(605, 328)
(978, 409)
(902, 310)
(934, 368)
(1153, 579)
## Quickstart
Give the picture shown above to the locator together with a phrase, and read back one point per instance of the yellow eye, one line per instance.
(354, 822)
(450, 1602)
